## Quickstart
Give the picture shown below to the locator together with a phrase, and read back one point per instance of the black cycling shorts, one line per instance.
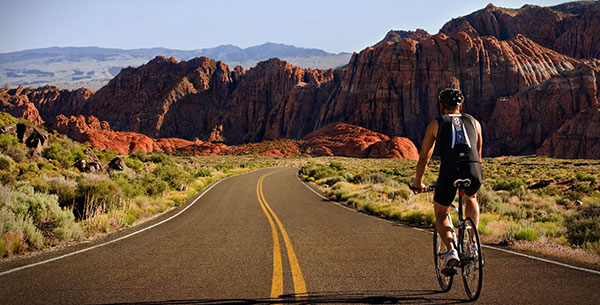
(445, 191)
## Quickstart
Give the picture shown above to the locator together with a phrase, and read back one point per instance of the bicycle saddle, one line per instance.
(462, 183)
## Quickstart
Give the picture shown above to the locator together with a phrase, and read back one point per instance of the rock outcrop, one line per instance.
(521, 123)
(340, 139)
(571, 28)
(42, 104)
(396, 36)
(579, 137)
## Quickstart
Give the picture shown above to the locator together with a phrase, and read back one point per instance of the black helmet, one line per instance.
(451, 97)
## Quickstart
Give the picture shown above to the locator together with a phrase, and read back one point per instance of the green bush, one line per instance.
(96, 193)
(488, 199)
(203, 172)
(134, 163)
(131, 187)
(529, 234)
(333, 180)
(224, 167)
(153, 185)
(584, 226)
(63, 155)
(173, 175)
(7, 140)
(509, 185)
(336, 165)
(38, 216)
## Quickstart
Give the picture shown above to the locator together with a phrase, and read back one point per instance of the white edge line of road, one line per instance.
(485, 246)
(114, 240)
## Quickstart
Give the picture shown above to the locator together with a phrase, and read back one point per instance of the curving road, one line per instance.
(264, 237)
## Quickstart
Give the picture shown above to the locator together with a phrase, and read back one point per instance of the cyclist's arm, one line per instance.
(479, 139)
(426, 152)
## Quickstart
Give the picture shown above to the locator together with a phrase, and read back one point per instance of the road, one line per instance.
(264, 237)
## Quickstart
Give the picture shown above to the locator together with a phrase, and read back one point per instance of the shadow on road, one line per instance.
(380, 297)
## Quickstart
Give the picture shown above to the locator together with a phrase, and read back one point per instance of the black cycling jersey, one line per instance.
(458, 141)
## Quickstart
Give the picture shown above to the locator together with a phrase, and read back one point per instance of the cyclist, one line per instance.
(459, 137)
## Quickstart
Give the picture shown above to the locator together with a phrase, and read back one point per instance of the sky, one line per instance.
(332, 25)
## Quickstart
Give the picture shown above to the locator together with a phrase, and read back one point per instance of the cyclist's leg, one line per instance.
(442, 224)
(472, 208)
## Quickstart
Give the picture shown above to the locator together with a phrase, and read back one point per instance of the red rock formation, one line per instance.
(42, 104)
(91, 131)
(579, 137)
(571, 28)
(521, 123)
(396, 36)
(340, 139)
(19, 105)
(393, 88)
(165, 98)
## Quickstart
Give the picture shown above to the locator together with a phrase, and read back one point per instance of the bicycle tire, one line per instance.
(438, 249)
(471, 261)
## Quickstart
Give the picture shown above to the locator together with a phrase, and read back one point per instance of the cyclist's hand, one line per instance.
(419, 187)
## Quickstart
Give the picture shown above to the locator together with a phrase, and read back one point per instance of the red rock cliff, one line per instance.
(571, 28)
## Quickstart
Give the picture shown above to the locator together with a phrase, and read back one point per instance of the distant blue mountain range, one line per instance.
(92, 67)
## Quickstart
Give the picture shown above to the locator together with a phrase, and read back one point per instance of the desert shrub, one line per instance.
(584, 226)
(63, 155)
(140, 155)
(224, 167)
(64, 188)
(509, 185)
(9, 172)
(581, 176)
(203, 172)
(153, 185)
(318, 171)
(488, 199)
(96, 194)
(529, 234)
(134, 163)
(37, 215)
(8, 140)
(333, 180)
(393, 172)
(173, 175)
(336, 165)
(131, 187)
(371, 178)
(106, 155)
(157, 157)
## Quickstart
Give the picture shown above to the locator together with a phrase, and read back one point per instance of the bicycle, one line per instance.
(467, 245)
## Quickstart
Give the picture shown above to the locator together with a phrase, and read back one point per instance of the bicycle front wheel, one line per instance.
(471, 260)
(439, 249)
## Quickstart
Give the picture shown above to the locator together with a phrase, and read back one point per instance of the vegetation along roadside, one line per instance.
(544, 205)
(54, 191)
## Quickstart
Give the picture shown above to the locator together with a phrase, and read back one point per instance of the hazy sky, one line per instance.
(332, 25)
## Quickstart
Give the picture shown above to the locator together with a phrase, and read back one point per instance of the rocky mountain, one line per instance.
(93, 67)
(570, 28)
(522, 92)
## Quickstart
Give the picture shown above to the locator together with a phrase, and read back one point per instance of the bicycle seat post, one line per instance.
(461, 184)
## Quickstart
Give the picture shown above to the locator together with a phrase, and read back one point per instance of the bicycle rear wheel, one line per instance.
(471, 260)
(439, 249)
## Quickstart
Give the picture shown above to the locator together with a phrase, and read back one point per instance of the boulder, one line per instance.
(117, 164)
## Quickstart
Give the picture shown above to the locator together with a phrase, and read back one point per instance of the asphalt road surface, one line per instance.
(264, 237)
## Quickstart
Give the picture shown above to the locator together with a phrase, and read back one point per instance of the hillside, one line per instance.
(93, 67)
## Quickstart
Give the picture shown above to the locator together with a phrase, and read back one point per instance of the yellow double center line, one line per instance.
(277, 284)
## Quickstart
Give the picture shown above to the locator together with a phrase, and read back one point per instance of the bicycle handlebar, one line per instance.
(430, 188)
